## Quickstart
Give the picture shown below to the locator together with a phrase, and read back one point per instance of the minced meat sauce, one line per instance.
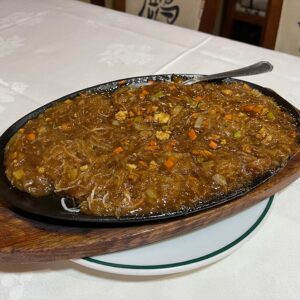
(159, 148)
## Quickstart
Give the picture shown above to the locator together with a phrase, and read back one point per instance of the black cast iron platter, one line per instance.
(49, 208)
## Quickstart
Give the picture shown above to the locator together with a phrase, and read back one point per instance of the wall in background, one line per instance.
(288, 37)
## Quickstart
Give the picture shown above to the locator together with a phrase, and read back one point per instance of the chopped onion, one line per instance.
(220, 179)
(151, 193)
(177, 109)
(141, 126)
(198, 122)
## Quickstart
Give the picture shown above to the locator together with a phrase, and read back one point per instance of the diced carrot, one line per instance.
(213, 145)
(21, 130)
(248, 107)
(170, 145)
(66, 127)
(152, 143)
(143, 164)
(228, 117)
(172, 87)
(192, 134)
(198, 98)
(152, 148)
(169, 163)
(31, 136)
(251, 108)
(122, 82)
(118, 150)
(195, 115)
(143, 93)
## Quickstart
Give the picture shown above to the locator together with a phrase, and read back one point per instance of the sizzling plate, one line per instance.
(49, 207)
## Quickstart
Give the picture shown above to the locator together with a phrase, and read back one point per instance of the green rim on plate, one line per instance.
(194, 260)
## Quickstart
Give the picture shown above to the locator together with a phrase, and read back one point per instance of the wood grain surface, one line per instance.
(23, 240)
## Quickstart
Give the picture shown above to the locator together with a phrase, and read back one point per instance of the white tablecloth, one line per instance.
(51, 48)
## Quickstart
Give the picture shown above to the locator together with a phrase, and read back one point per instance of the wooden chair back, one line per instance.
(207, 22)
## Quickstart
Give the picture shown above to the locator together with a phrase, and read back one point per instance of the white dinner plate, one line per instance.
(188, 251)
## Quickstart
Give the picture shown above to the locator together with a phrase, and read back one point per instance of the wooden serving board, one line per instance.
(23, 240)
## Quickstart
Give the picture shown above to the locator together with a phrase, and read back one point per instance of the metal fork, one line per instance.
(258, 68)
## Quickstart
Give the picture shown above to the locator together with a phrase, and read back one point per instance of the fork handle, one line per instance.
(258, 68)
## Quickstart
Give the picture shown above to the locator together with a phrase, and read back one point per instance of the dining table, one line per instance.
(52, 48)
